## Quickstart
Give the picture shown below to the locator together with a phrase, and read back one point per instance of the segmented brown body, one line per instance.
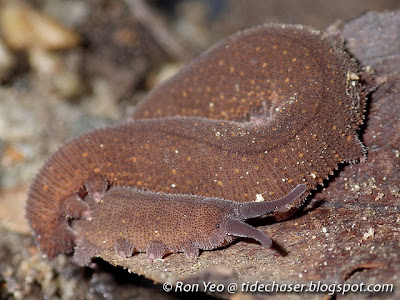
(287, 106)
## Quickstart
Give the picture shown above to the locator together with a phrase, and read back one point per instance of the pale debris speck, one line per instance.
(259, 198)
(369, 233)
(352, 76)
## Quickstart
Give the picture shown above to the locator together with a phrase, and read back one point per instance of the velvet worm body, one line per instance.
(161, 223)
(264, 111)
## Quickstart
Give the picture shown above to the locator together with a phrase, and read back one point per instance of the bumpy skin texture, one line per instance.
(159, 223)
(287, 106)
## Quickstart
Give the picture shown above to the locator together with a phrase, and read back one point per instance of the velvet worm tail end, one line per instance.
(236, 227)
(255, 209)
